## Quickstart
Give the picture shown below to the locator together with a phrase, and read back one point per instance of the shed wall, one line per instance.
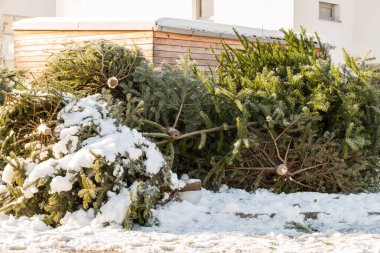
(34, 48)
(169, 47)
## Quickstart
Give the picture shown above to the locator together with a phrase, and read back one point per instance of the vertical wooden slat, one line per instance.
(33, 49)
(169, 47)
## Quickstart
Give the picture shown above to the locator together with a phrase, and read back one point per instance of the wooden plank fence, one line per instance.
(33, 49)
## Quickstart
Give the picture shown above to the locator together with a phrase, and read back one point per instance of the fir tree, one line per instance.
(9, 79)
(89, 67)
(315, 122)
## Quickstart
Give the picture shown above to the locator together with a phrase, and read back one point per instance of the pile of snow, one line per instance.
(208, 221)
(262, 212)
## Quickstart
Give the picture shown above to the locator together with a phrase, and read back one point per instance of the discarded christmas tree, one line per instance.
(86, 162)
(274, 116)
(9, 79)
(87, 68)
(58, 148)
(302, 123)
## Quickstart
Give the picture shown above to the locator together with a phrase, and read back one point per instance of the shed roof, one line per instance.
(201, 28)
(174, 25)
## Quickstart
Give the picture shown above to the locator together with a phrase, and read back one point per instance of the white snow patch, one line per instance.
(66, 132)
(79, 218)
(7, 174)
(177, 183)
(61, 184)
(154, 161)
(232, 210)
(205, 221)
(3, 189)
(67, 144)
(115, 210)
(43, 169)
(43, 129)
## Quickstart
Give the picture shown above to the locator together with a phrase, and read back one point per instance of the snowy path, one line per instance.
(229, 221)
(120, 241)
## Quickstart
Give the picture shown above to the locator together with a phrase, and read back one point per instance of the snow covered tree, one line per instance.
(79, 159)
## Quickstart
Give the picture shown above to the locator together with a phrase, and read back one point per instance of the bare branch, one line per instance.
(303, 161)
(255, 168)
(275, 144)
(214, 129)
(299, 183)
(308, 168)
(266, 157)
(290, 125)
(287, 152)
(179, 111)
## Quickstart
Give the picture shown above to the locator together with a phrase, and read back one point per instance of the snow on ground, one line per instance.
(226, 221)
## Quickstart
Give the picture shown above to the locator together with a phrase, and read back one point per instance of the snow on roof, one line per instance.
(85, 23)
(212, 29)
(184, 26)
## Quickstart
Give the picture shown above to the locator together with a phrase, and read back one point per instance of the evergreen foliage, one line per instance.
(171, 112)
(271, 115)
(143, 199)
(9, 79)
(31, 161)
(267, 107)
(319, 120)
(21, 115)
(87, 68)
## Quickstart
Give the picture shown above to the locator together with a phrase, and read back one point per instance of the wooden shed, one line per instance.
(161, 40)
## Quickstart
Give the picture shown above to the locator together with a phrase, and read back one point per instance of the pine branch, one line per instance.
(206, 131)
(275, 144)
(273, 169)
(308, 168)
(179, 112)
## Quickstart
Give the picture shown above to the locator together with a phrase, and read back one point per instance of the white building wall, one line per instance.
(367, 31)
(357, 30)
(15, 9)
(34, 8)
(265, 14)
(340, 34)
(126, 8)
